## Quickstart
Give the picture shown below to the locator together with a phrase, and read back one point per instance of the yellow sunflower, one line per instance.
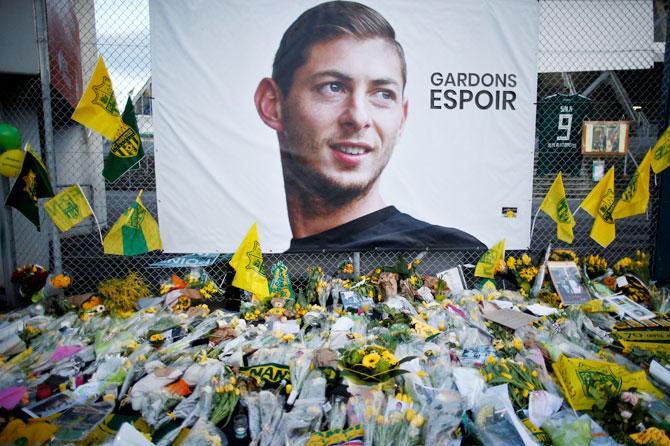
(370, 360)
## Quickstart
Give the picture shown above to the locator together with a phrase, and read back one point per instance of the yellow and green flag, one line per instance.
(599, 203)
(126, 150)
(32, 184)
(68, 208)
(556, 206)
(661, 152)
(486, 267)
(249, 267)
(635, 197)
(97, 107)
(135, 232)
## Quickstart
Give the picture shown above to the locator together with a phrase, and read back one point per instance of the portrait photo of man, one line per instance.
(336, 100)
(343, 125)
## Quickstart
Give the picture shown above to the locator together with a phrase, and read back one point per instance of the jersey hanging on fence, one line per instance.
(560, 132)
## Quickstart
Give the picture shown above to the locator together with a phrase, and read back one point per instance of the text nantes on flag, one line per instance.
(486, 267)
(556, 206)
(660, 159)
(635, 197)
(249, 267)
(97, 107)
(135, 232)
(68, 208)
(31, 184)
(600, 204)
(126, 150)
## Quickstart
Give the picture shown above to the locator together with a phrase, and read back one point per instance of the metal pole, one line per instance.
(357, 264)
(45, 79)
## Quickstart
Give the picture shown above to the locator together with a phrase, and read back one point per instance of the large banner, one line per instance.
(383, 125)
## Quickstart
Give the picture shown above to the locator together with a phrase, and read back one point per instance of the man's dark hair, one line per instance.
(325, 22)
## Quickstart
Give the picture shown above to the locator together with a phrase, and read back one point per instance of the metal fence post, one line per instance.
(45, 80)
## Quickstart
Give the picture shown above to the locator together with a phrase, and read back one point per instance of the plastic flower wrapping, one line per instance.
(389, 357)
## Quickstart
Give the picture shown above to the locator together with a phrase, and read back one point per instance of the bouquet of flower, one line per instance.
(370, 364)
(638, 267)
(200, 282)
(520, 378)
(564, 255)
(30, 279)
(523, 271)
(120, 295)
(226, 397)
(596, 266)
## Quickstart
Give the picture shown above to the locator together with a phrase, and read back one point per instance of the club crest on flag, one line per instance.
(136, 218)
(127, 142)
(67, 206)
(255, 258)
(631, 188)
(607, 206)
(30, 185)
(104, 96)
(563, 211)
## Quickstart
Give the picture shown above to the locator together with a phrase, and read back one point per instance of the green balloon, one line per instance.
(10, 138)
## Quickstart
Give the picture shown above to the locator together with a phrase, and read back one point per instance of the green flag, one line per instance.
(127, 147)
(31, 184)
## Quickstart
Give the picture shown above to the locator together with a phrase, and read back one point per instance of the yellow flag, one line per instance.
(486, 267)
(97, 107)
(556, 206)
(249, 267)
(68, 208)
(661, 152)
(600, 204)
(635, 198)
(135, 232)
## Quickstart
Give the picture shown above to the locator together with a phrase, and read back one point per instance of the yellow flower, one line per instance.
(61, 281)
(370, 360)
(534, 373)
(289, 387)
(412, 280)
(525, 393)
(421, 374)
(511, 262)
(491, 360)
(288, 338)
(156, 337)
(518, 344)
(387, 355)
(506, 375)
(418, 421)
(525, 258)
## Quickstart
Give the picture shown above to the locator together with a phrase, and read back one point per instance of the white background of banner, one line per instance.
(217, 165)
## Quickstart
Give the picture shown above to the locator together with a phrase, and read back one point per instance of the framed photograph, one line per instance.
(603, 138)
(568, 282)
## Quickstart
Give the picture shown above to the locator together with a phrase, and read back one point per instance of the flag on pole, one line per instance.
(486, 267)
(556, 206)
(31, 184)
(68, 208)
(635, 197)
(249, 267)
(126, 149)
(135, 232)
(599, 203)
(661, 152)
(97, 107)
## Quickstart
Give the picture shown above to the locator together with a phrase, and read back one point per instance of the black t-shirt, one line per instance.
(386, 228)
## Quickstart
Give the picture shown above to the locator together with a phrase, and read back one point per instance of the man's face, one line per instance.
(343, 115)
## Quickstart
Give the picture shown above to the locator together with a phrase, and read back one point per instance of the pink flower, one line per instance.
(630, 397)
(626, 414)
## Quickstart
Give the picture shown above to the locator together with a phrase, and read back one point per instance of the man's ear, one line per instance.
(268, 104)
(405, 111)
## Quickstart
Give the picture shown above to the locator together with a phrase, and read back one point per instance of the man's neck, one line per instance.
(311, 215)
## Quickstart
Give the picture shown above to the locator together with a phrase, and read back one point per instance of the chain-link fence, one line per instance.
(80, 30)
